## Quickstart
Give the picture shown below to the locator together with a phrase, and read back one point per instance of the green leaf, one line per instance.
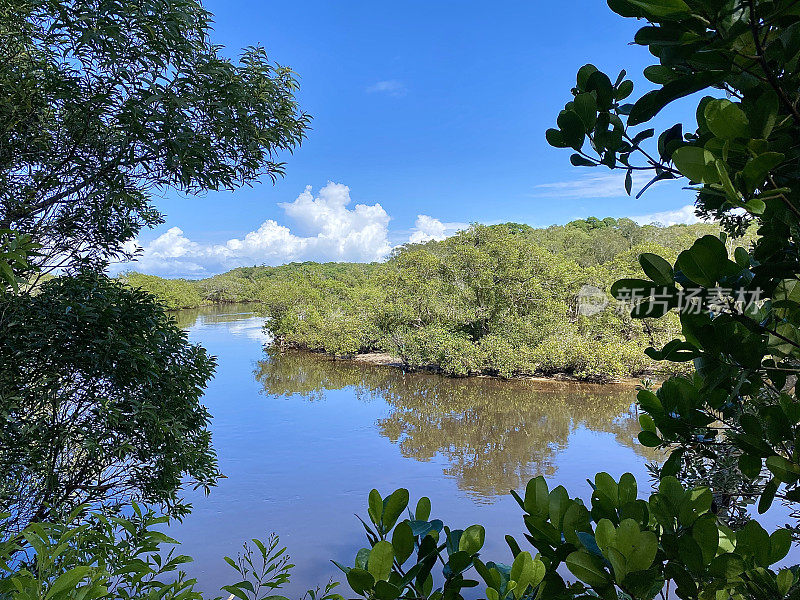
(555, 138)
(768, 495)
(380, 560)
(750, 465)
(583, 75)
(423, 511)
(624, 90)
(706, 534)
(585, 106)
(780, 542)
(403, 542)
(785, 470)
(757, 169)
(649, 439)
(706, 262)
(657, 269)
(472, 539)
(649, 105)
(375, 510)
(601, 85)
(726, 120)
(624, 289)
(386, 591)
(68, 581)
(393, 507)
(360, 580)
(588, 568)
(576, 160)
(698, 164)
(662, 8)
(571, 127)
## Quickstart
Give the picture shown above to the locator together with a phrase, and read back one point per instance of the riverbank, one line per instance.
(385, 359)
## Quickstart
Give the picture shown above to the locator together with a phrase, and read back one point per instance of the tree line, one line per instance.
(501, 300)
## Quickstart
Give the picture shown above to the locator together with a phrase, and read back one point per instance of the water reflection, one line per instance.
(494, 435)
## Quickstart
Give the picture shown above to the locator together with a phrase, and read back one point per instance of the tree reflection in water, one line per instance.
(494, 434)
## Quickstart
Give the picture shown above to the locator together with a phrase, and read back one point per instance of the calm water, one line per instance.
(302, 439)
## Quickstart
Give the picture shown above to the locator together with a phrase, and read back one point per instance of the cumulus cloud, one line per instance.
(335, 233)
(390, 87)
(428, 228)
(684, 215)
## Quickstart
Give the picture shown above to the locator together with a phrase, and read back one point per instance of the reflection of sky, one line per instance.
(302, 469)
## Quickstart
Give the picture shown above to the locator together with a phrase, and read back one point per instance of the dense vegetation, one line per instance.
(501, 299)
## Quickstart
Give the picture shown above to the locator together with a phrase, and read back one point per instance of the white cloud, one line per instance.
(685, 215)
(428, 228)
(610, 185)
(390, 87)
(336, 233)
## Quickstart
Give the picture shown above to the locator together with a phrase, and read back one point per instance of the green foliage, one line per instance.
(125, 557)
(101, 400)
(500, 300)
(103, 103)
(619, 546)
(173, 294)
(402, 555)
(16, 251)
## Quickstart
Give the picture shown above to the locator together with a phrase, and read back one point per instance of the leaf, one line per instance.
(68, 581)
(579, 161)
(726, 120)
(571, 127)
(375, 510)
(767, 496)
(380, 560)
(625, 289)
(585, 106)
(696, 163)
(780, 542)
(599, 83)
(360, 580)
(649, 439)
(657, 269)
(588, 568)
(756, 170)
(706, 262)
(649, 105)
(403, 542)
(393, 507)
(555, 138)
(423, 511)
(583, 75)
(785, 470)
(662, 8)
(472, 539)
(624, 90)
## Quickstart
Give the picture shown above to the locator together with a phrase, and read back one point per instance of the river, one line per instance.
(302, 439)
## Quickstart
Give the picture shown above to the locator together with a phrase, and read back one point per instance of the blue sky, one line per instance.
(433, 108)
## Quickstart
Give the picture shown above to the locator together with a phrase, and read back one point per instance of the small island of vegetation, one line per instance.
(498, 300)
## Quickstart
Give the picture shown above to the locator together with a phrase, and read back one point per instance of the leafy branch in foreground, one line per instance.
(618, 547)
(126, 556)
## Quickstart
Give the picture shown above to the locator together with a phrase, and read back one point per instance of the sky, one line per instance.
(427, 116)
